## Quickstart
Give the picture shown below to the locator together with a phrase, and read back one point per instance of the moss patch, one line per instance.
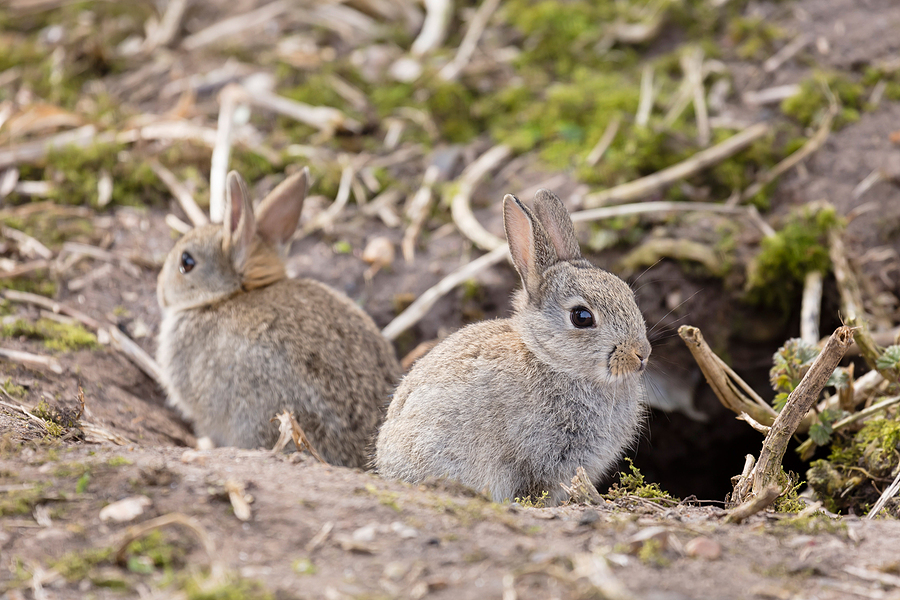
(777, 273)
(61, 337)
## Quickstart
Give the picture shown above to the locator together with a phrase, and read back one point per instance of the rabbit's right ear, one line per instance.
(279, 213)
(239, 225)
(529, 245)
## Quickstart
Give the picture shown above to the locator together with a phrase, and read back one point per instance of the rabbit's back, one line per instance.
(296, 345)
(484, 410)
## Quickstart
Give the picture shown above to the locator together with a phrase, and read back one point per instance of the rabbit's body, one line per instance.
(235, 357)
(517, 405)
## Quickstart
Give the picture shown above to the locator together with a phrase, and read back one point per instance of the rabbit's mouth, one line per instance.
(625, 361)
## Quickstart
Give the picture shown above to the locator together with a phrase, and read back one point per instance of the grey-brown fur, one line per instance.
(240, 342)
(516, 405)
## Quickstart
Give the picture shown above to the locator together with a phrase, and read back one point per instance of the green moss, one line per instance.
(753, 37)
(118, 461)
(777, 272)
(57, 336)
(77, 565)
(633, 484)
(652, 552)
(808, 106)
(22, 501)
(16, 391)
(78, 171)
(235, 588)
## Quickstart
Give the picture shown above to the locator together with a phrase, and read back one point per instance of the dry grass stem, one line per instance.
(167, 29)
(177, 224)
(787, 52)
(770, 95)
(417, 212)
(325, 118)
(438, 14)
(136, 354)
(418, 309)
(866, 413)
(193, 525)
(24, 268)
(52, 305)
(889, 493)
(181, 194)
(763, 429)
(232, 26)
(754, 505)
(848, 286)
(98, 435)
(218, 171)
(645, 104)
(605, 141)
(325, 219)
(692, 63)
(29, 152)
(301, 441)
(319, 539)
(582, 490)
(27, 245)
(460, 205)
(470, 40)
(645, 186)
(801, 400)
(725, 382)
(811, 308)
(21, 409)
(812, 145)
(32, 361)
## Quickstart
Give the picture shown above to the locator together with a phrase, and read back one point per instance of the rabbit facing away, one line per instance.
(516, 405)
(240, 342)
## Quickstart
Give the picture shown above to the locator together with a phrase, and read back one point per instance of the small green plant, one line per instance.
(13, 390)
(534, 501)
(890, 359)
(633, 484)
(63, 337)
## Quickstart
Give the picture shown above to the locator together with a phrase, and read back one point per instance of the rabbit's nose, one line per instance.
(643, 361)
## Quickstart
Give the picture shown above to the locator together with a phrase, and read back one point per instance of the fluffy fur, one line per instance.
(240, 342)
(515, 405)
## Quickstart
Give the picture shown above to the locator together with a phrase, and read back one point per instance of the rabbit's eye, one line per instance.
(581, 317)
(187, 263)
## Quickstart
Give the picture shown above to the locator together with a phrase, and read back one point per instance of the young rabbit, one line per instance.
(517, 405)
(240, 342)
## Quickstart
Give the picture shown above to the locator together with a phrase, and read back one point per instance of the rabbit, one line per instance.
(240, 342)
(514, 406)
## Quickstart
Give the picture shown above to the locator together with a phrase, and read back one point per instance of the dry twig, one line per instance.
(753, 505)
(645, 186)
(460, 207)
(31, 360)
(218, 171)
(768, 467)
(470, 40)
(181, 194)
(811, 307)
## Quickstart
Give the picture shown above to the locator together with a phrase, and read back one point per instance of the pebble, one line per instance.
(703, 547)
(126, 509)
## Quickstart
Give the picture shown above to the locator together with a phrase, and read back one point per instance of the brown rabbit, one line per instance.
(517, 405)
(240, 342)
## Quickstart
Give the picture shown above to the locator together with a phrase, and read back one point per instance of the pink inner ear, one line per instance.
(519, 236)
(237, 204)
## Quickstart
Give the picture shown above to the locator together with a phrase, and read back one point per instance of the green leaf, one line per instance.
(780, 400)
(890, 359)
(820, 433)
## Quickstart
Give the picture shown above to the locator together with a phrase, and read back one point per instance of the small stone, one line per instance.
(405, 69)
(703, 547)
(126, 509)
(404, 531)
(379, 252)
(396, 570)
(364, 534)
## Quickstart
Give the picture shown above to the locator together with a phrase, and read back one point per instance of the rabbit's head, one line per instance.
(214, 262)
(575, 317)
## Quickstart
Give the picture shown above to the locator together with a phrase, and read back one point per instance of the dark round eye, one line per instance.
(187, 263)
(582, 317)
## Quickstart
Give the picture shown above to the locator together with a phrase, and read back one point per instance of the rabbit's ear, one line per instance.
(279, 212)
(239, 225)
(528, 243)
(553, 215)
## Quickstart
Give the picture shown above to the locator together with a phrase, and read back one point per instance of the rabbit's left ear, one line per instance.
(239, 225)
(279, 213)
(529, 246)
(553, 215)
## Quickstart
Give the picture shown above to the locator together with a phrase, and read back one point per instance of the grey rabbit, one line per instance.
(240, 342)
(516, 405)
